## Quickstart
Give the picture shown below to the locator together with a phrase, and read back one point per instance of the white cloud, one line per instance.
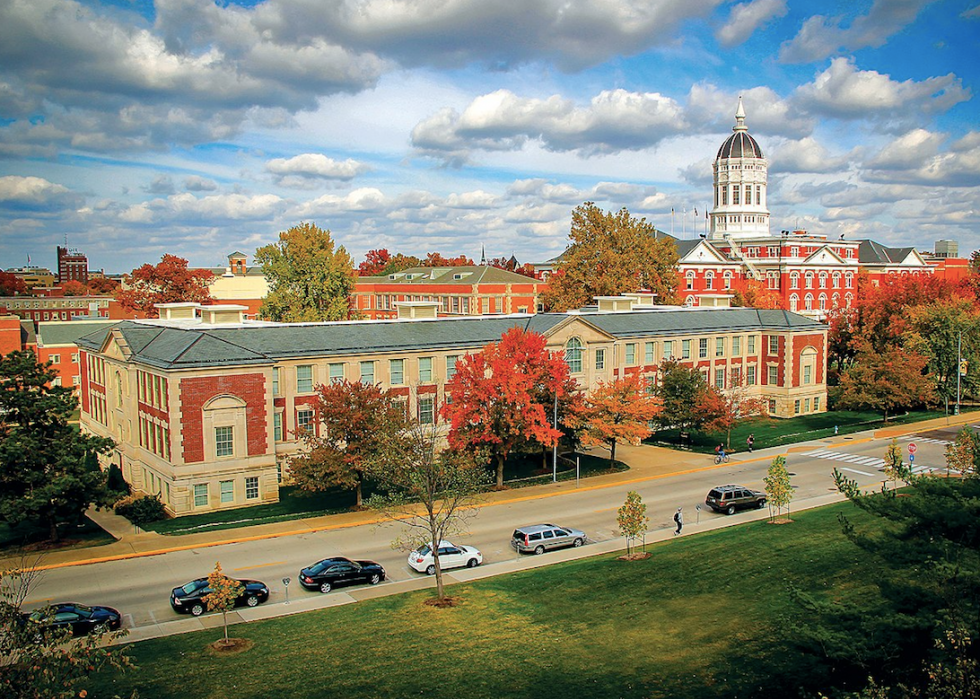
(35, 194)
(959, 166)
(315, 166)
(747, 17)
(204, 211)
(821, 36)
(907, 151)
(806, 155)
(711, 108)
(196, 183)
(161, 184)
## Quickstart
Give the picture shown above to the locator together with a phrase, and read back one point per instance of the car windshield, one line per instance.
(83, 611)
(423, 550)
(318, 568)
(713, 493)
(190, 587)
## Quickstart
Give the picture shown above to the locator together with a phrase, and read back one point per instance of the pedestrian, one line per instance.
(750, 441)
(835, 430)
(679, 520)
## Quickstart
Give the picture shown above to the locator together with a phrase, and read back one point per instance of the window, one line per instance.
(304, 418)
(751, 344)
(772, 406)
(367, 373)
(227, 491)
(57, 382)
(252, 488)
(807, 374)
(823, 280)
(396, 371)
(724, 196)
(426, 410)
(773, 376)
(74, 358)
(55, 358)
(600, 359)
(275, 381)
(304, 378)
(816, 403)
(224, 441)
(630, 354)
(685, 349)
(425, 370)
(201, 495)
(796, 407)
(719, 347)
(806, 405)
(750, 376)
(737, 346)
(451, 367)
(668, 349)
(336, 373)
(719, 377)
(709, 280)
(808, 302)
(822, 302)
(736, 195)
(689, 278)
(794, 280)
(573, 355)
(649, 354)
(703, 348)
(773, 344)
(809, 280)
(794, 303)
(76, 380)
(277, 426)
(735, 376)
(758, 194)
(848, 280)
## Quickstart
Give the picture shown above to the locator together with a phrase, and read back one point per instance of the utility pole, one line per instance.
(959, 369)
(554, 450)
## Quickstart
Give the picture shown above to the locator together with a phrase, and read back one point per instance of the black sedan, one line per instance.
(334, 572)
(190, 597)
(79, 619)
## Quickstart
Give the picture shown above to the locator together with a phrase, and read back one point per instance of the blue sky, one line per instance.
(134, 129)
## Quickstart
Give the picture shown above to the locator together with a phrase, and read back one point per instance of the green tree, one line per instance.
(224, 591)
(433, 495)
(721, 411)
(354, 423)
(611, 254)
(944, 333)
(309, 280)
(779, 492)
(632, 519)
(681, 391)
(48, 470)
(893, 466)
(963, 453)
(170, 281)
(885, 381)
(614, 412)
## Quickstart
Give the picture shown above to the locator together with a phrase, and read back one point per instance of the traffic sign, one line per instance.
(911, 458)
(912, 447)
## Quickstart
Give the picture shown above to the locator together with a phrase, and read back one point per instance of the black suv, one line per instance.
(728, 498)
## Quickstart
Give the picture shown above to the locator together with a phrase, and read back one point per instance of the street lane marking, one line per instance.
(846, 458)
(263, 565)
(854, 470)
(916, 438)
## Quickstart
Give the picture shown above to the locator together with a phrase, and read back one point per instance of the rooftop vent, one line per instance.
(413, 310)
(615, 304)
(184, 310)
(715, 300)
(223, 314)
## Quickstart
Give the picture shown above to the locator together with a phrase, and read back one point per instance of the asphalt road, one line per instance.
(140, 587)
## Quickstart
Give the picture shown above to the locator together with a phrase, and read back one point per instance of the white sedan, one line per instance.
(450, 556)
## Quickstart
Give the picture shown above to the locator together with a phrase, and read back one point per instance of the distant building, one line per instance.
(239, 284)
(72, 266)
(33, 276)
(947, 248)
(43, 308)
(56, 343)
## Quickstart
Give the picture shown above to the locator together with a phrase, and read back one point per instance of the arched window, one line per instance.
(689, 301)
(823, 280)
(835, 300)
(836, 280)
(709, 280)
(573, 355)
(822, 302)
(847, 300)
(808, 302)
(689, 278)
(728, 280)
(794, 303)
(794, 280)
(808, 366)
(848, 280)
(119, 390)
(809, 280)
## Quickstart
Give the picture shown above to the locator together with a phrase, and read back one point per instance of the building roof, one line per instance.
(873, 253)
(197, 346)
(470, 274)
(67, 332)
(740, 145)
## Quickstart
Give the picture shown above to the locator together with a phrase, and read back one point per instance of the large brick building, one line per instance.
(204, 405)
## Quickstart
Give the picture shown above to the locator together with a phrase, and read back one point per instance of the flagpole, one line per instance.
(672, 222)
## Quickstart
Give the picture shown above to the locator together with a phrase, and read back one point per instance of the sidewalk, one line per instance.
(646, 463)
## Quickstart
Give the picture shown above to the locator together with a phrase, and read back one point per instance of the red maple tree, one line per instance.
(753, 293)
(375, 263)
(614, 412)
(722, 410)
(11, 285)
(74, 288)
(170, 281)
(102, 285)
(504, 395)
(434, 259)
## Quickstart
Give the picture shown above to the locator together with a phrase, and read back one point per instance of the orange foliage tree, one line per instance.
(170, 281)
(753, 293)
(885, 381)
(503, 396)
(619, 411)
(102, 285)
(375, 263)
(722, 410)
(434, 259)
(74, 288)
(224, 592)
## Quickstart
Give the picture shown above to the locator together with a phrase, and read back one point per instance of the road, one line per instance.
(140, 587)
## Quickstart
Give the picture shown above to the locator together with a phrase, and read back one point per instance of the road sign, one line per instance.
(912, 447)
(911, 458)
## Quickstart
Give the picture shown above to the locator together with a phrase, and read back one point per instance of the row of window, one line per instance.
(736, 190)
(822, 279)
(52, 304)
(462, 305)
(96, 369)
(794, 301)
(98, 408)
(672, 349)
(154, 437)
(226, 491)
(152, 390)
(306, 377)
(56, 358)
(805, 405)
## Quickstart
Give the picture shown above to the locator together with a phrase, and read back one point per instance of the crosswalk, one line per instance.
(865, 461)
(927, 440)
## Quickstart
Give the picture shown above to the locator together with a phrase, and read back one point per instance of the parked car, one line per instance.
(450, 556)
(335, 572)
(79, 619)
(190, 597)
(544, 537)
(728, 498)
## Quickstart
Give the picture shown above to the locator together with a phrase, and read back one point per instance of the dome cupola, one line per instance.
(740, 144)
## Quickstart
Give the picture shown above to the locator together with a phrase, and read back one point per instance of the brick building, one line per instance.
(204, 405)
(72, 266)
(57, 342)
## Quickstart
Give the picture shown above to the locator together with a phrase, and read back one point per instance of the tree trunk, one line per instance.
(500, 470)
(440, 592)
(357, 492)
(53, 530)
(224, 618)
(612, 455)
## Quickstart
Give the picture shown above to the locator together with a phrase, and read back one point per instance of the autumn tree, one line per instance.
(753, 293)
(619, 411)
(309, 280)
(434, 259)
(945, 332)
(11, 285)
(503, 396)
(48, 469)
(611, 254)
(170, 281)
(224, 591)
(681, 390)
(893, 467)
(433, 495)
(375, 263)
(885, 381)
(779, 492)
(510, 265)
(721, 410)
(963, 453)
(74, 288)
(354, 422)
(632, 519)
(399, 262)
(102, 285)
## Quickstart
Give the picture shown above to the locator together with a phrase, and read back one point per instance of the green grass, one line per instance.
(33, 537)
(770, 432)
(705, 617)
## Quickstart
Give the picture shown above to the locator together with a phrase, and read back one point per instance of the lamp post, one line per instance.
(959, 369)
(554, 450)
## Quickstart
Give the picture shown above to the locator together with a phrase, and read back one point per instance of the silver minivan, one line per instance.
(544, 537)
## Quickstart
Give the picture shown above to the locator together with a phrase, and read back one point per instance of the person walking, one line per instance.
(679, 520)
(750, 441)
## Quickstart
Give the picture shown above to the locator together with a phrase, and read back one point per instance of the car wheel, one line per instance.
(730, 510)
(375, 579)
(252, 601)
(197, 610)
(472, 563)
(762, 503)
(577, 543)
(431, 570)
(538, 550)
(325, 587)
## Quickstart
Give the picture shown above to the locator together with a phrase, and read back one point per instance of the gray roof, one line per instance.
(874, 253)
(192, 347)
(67, 332)
(473, 274)
(740, 145)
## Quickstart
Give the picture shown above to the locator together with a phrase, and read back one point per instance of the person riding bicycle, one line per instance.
(720, 452)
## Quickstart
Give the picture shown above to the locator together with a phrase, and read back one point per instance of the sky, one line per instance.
(131, 129)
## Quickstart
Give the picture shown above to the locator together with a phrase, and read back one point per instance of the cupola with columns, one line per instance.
(740, 178)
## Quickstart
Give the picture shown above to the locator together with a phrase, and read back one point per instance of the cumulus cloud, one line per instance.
(958, 166)
(713, 109)
(907, 151)
(36, 194)
(821, 36)
(209, 210)
(161, 184)
(746, 18)
(613, 121)
(845, 92)
(300, 170)
(806, 155)
(196, 183)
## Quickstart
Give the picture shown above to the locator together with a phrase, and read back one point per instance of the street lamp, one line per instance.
(554, 450)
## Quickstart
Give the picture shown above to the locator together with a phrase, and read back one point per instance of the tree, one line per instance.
(943, 333)
(503, 396)
(224, 591)
(510, 265)
(74, 288)
(355, 421)
(893, 466)
(399, 262)
(48, 469)
(632, 519)
(614, 412)
(170, 281)
(434, 495)
(375, 263)
(50, 665)
(309, 281)
(753, 293)
(680, 391)
(434, 259)
(885, 381)
(963, 453)
(102, 285)
(11, 285)
(720, 411)
(611, 254)
(779, 492)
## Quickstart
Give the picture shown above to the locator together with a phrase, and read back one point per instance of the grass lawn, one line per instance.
(770, 432)
(33, 537)
(706, 616)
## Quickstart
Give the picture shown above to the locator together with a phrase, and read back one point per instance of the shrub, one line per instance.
(115, 482)
(141, 509)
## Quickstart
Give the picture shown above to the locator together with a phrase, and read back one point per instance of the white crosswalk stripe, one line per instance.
(863, 461)
(927, 440)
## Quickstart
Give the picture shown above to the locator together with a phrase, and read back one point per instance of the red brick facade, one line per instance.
(195, 394)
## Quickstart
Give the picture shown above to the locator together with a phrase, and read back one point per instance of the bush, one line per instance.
(141, 509)
(115, 482)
